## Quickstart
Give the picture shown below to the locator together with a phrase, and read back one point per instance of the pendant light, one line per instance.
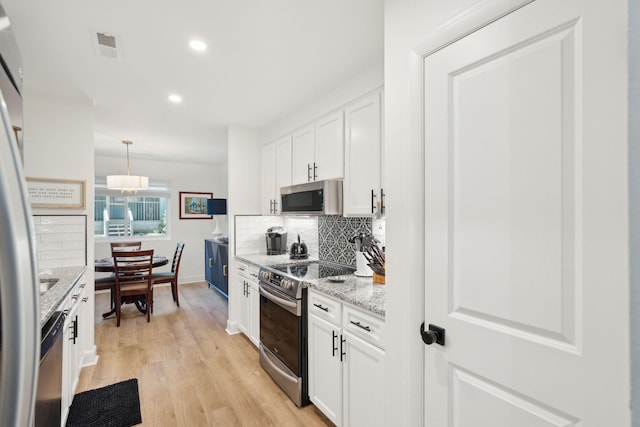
(129, 183)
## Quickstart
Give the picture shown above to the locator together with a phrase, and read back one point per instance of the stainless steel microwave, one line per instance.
(312, 198)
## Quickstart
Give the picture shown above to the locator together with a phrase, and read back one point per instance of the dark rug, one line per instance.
(116, 405)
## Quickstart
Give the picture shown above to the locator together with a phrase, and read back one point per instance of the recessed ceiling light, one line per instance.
(198, 45)
(176, 99)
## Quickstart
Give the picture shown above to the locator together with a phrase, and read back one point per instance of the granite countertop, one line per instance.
(51, 299)
(361, 292)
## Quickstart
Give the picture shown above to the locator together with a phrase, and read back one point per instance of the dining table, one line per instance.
(106, 265)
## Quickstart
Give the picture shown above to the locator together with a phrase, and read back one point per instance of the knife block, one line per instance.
(379, 278)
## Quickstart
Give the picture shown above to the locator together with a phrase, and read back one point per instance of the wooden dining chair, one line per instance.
(126, 246)
(171, 276)
(133, 278)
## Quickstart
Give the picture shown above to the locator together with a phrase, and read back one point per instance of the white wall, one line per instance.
(244, 163)
(183, 177)
(58, 143)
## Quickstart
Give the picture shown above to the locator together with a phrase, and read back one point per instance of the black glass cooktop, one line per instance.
(314, 270)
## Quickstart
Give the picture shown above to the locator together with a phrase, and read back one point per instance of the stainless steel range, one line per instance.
(283, 322)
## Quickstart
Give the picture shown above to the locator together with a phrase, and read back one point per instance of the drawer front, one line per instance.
(366, 326)
(253, 273)
(325, 307)
(242, 268)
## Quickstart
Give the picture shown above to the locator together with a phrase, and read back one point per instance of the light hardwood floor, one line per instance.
(190, 371)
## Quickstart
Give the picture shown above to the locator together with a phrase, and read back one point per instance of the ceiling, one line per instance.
(264, 59)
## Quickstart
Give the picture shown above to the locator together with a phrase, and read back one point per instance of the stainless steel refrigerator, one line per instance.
(19, 292)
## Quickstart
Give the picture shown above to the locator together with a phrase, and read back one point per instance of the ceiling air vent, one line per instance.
(107, 45)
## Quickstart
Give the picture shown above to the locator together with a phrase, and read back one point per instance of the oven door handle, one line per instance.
(291, 306)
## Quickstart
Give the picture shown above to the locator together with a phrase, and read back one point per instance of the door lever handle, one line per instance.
(435, 334)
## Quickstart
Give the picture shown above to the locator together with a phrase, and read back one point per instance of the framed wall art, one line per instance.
(194, 205)
(56, 193)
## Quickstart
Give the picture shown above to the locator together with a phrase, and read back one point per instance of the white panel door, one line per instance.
(512, 254)
(329, 156)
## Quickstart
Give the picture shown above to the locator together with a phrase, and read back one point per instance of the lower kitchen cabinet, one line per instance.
(72, 347)
(216, 260)
(346, 362)
(249, 303)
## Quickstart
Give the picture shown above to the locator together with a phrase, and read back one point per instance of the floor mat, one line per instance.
(116, 405)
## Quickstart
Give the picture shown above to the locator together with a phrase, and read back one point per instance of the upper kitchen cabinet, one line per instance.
(276, 173)
(363, 183)
(318, 150)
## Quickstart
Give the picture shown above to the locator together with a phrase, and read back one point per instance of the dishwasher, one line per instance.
(49, 392)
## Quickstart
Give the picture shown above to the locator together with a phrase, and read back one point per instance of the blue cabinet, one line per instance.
(216, 265)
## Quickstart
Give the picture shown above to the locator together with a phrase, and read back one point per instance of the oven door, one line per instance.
(281, 327)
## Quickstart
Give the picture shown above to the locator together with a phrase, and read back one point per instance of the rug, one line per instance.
(116, 405)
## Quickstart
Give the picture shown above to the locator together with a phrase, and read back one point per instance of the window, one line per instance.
(125, 215)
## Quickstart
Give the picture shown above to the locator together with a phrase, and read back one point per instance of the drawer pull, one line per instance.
(359, 325)
(85, 299)
(321, 307)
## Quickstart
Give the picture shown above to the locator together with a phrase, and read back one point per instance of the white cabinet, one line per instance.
(363, 383)
(249, 304)
(303, 149)
(329, 147)
(325, 368)
(363, 183)
(276, 173)
(346, 362)
(74, 341)
(318, 150)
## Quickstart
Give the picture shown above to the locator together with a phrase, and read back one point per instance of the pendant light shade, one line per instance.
(129, 183)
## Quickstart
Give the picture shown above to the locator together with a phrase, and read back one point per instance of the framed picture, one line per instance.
(194, 205)
(56, 193)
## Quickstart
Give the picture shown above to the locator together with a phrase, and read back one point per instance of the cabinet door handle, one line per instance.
(83, 285)
(85, 299)
(275, 207)
(359, 325)
(334, 343)
(321, 307)
(343, 342)
(308, 172)
(315, 168)
(382, 201)
(224, 270)
(210, 266)
(270, 205)
(373, 205)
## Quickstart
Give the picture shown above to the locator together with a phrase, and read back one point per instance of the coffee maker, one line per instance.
(276, 238)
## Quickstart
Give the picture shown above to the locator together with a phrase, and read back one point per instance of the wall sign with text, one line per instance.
(56, 193)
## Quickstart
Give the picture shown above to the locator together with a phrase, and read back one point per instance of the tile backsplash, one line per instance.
(250, 232)
(334, 232)
(61, 240)
(326, 236)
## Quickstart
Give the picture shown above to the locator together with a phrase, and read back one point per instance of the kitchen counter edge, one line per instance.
(67, 278)
(360, 292)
